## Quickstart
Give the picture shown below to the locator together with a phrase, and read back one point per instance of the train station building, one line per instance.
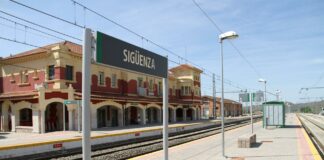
(231, 108)
(35, 83)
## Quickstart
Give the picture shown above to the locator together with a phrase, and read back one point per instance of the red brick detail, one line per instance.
(33, 101)
(123, 86)
(96, 101)
(56, 95)
(108, 82)
(94, 82)
(170, 93)
(1, 86)
(197, 83)
(178, 95)
(132, 87)
(7, 85)
(78, 85)
(59, 73)
(186, 97)
(50, 84)
(155, 90)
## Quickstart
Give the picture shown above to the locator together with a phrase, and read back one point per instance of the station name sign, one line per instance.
(115, 52)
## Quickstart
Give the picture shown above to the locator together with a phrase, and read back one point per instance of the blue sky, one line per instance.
(282, 39)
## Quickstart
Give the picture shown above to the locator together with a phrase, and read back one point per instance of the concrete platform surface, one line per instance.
(290, 143)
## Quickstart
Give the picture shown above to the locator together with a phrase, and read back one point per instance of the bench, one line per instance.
(246, 141)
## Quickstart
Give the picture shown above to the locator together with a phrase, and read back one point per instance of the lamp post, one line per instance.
(265, 88)
(223, 36)
(277, 94)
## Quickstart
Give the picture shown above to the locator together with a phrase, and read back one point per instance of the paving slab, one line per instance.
(289, 143)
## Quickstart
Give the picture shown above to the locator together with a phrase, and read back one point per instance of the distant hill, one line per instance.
(313, 107)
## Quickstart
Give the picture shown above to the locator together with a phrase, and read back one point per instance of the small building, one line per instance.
(273, 113)
(231, 107)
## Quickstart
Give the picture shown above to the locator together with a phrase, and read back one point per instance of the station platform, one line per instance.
(314, 124)
(18, 144)
(289, 143)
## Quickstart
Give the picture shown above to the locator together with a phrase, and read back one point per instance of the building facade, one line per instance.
(231, 108)
(34, 85)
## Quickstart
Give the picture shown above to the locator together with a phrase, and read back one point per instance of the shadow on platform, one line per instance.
(293, 126)
(256, 145)
(3, 133)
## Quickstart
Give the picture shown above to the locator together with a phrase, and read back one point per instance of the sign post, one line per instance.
(86, 91)
(117, 53)
(251, 111)
(64, 118)
(77, 102)
(79, 117)
(165, 119)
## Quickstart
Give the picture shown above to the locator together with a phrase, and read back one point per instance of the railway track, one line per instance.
(133, 148)
(314, 125)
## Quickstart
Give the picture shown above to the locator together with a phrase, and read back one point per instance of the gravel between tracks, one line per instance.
(132, 150)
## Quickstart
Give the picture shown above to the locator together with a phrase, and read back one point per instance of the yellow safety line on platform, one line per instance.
(312, 147)
(298, 142)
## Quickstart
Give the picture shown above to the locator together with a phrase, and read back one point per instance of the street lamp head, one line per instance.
(228, 35)
(262, 80)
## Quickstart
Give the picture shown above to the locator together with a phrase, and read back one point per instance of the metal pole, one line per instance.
(222, 101)
(265, 91)
(214, 98)
(63, 117)
(86, 91)
(251, 112)
(165, 119)
(79, 115)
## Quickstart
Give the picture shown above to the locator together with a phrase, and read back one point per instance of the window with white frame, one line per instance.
(69, 72)
(140, 82)
(23, 77)
(160, 88)
(185, 90)
(151, 85)
(113, 81)
(51, 72)
(101, 78)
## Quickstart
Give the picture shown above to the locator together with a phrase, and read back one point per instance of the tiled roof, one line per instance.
(73, 47)
(186, 66)
(76, 48)
(218, 99)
